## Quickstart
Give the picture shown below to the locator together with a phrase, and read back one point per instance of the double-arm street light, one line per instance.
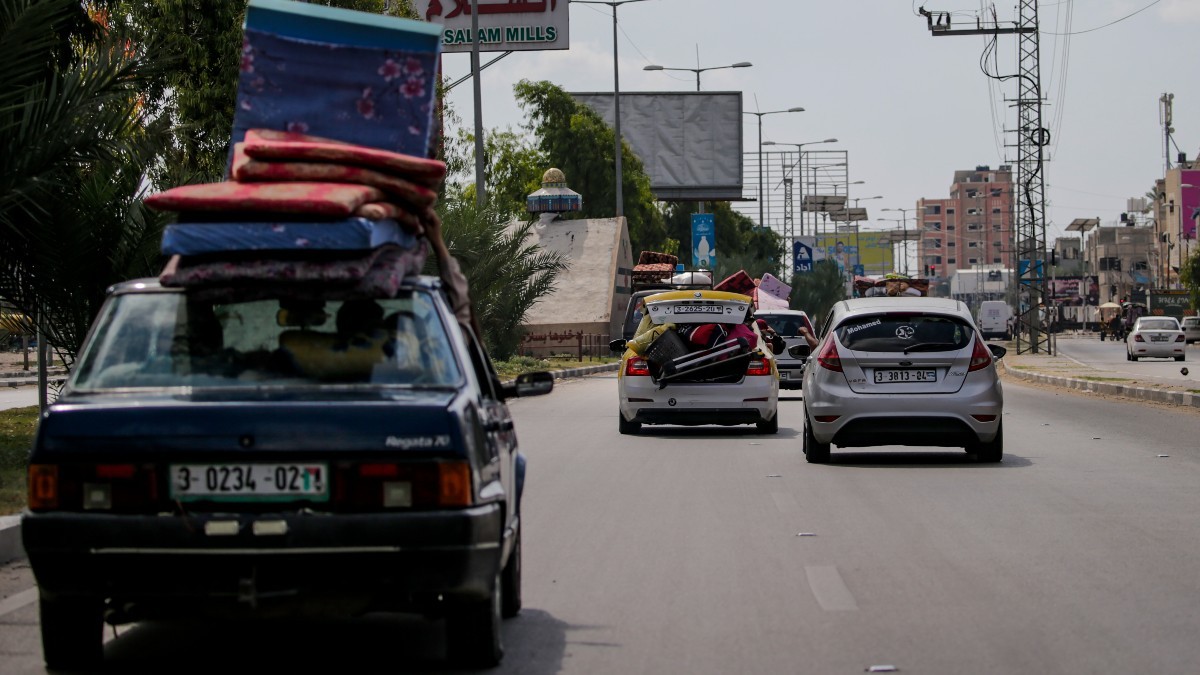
(857, 243)
(761, 218)
(697, 71)
(799, 158)
(616, 92)
(904, 243)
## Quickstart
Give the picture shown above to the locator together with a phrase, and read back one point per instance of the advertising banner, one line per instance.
(863, 253)
(1170, 302)
(504, 25)
(802, 254)
(1073, 291)
(704, 241)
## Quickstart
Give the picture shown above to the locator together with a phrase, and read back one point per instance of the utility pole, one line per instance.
(1032, 137)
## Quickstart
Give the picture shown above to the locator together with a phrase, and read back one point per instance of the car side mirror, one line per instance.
(997, 351)
(530, 384)
(618, 345)
(799, 351)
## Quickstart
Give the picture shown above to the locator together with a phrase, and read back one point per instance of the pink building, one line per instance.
(973, 228)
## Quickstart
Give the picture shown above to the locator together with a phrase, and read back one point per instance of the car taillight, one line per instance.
(829, 357)
(1137, 337)
(1179, 338)
(758, 367)
(980, 356)
(388, 485)
(118, 488)
(636, 365)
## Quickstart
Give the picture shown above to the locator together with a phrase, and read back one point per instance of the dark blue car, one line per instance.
(276, 450)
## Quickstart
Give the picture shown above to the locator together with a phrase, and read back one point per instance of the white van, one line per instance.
(995, 319)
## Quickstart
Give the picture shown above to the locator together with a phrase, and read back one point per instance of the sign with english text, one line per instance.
(504, 25)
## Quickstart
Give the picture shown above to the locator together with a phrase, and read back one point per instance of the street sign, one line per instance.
(802, 257)
(1026, 275)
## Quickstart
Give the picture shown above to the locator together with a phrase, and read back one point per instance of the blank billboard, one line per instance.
(690, 142)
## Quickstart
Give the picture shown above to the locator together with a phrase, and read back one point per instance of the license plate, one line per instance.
(698, 309)
(905, 376)
(783, 375)
(249, 482)
(1158, 338)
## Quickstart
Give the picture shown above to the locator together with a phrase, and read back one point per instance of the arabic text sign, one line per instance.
(504, 25)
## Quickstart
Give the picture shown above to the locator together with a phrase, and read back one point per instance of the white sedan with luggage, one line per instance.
(696, 359)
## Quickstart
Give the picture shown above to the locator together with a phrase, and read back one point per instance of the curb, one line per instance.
(1179, 398)
(11, 548)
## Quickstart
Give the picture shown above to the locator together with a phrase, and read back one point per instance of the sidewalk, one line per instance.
(1061, 371)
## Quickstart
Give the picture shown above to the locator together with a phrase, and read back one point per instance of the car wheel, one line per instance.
(770, 426)
(473, 632)
(627, 427)
(1181, 357)
(990, 452)
(72, 632)
(510, 582)
(814, 452)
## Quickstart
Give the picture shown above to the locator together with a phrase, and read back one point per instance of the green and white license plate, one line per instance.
(905, 376)
(249, 482)
(697, 309)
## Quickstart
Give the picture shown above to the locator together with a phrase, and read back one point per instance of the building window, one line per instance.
(972, 261)
(996, 260)
(933, 226)
(950, 261)
(995, 210)
(972, 244)
(995, 244)
(995, 192)
(933, 210)
(995, 227)
(950, 211)
(950, 245)
(950, 228)
(935, 243)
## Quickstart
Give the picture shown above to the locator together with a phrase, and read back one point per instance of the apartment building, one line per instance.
(973, 228)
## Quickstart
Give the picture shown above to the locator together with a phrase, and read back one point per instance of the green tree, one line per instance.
(514, 168)
(505, 273)
(816, 292)
(72, 128)
(573, 138)
(1189, 276)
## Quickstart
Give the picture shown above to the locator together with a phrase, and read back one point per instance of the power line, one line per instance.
(1111, 23)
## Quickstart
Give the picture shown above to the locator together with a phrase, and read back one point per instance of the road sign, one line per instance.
(802, 257)
(1025, 274)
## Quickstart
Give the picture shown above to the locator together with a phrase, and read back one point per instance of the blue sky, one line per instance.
(909, 108)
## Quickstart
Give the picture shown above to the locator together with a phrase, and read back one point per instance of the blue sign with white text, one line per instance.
(704, 241)
(802, 257)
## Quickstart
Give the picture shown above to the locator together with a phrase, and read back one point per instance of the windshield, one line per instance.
(181, 340)
(904, 332)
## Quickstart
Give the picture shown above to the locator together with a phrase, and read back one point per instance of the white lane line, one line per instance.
(785, 502)
(829, 588)
(15, 602)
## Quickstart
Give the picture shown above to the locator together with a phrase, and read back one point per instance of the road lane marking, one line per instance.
(785, 502)
(15, 602)
(829, 589)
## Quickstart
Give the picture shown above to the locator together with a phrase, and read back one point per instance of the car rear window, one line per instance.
(785, 325)
(1158, 324)
(179, 340)
(904, 332)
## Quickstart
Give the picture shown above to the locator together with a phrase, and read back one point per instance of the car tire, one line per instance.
(1181, 357)
(510, 582)
(770, 426)
(625, 426)
(473, 631)
(72, 632)
(814, 452)
(990, 452)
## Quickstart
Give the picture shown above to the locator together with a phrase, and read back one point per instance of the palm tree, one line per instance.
(506, 275)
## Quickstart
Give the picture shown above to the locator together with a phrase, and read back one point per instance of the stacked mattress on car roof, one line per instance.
(328, 179)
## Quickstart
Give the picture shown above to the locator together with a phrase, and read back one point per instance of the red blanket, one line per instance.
(336, 200)
(267, 144)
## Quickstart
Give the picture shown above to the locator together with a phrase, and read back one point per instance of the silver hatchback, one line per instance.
(903, 371)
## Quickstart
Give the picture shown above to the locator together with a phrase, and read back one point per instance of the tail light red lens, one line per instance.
(636, 366)
(43, 487)
(980, 356)
(829, 357)
(758, 367)
(1137, 337)
(1179, 338)
(373, 486)
(119, 488)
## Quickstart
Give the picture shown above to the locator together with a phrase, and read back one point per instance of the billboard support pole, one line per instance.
(480, 188)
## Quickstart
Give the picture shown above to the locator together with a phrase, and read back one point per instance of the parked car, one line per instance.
(1191, 329)
(908, 371)
(671, 380)
(787, 323)
(225, 452)
(1155, 336)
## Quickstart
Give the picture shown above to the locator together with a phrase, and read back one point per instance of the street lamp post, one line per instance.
(904, 243)
(857, 243)
(788, 236)
(616, 94)
(697, 71)
(761, 217)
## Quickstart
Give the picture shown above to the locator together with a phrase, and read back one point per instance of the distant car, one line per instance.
(911, 371)
(1191, 329)
(224, 452)
(1155, 336)
(787, 323)
(671, 381)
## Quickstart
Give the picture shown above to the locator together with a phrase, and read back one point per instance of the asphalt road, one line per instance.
(679, 551)
(1110, 356)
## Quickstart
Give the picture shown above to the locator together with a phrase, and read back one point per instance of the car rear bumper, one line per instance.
(790, 375)
(172, 565)
(1164, 349)
(755, 399)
